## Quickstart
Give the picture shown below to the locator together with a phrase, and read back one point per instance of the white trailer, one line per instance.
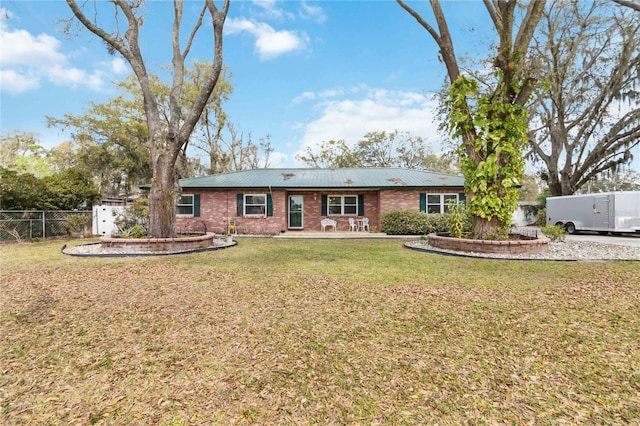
(615, 212)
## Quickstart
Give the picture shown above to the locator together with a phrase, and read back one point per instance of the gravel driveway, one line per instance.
(582, 247)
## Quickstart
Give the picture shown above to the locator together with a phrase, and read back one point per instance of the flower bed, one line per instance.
(193, 242)
(522, 244)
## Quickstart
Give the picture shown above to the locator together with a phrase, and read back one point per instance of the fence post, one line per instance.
(44, 225)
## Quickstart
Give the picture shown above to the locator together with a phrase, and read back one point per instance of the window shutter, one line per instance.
(240, 201)
(462, 198)
(360, 204)
(269, 205)
(324, 205)
(196, 205)
(423, 202)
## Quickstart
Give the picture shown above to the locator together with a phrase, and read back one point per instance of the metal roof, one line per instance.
(360, 178)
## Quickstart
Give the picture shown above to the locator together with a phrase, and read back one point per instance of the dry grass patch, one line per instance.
(315, 332)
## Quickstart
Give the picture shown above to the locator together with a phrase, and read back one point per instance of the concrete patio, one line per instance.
(342, 234)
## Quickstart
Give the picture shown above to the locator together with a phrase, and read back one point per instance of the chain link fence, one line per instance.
(21, 225)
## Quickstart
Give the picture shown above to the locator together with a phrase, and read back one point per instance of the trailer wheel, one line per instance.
(570, 228)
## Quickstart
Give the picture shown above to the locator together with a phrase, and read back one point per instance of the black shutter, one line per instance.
(196, 205)
(240, 201)
(360, 204)
(423, 202)
(269, 205)
(324, 205)
(462, 197)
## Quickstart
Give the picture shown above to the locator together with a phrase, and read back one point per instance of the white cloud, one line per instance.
(29, 59)
(266, 4)
(370, 110)
(269, 42)
(268, 9)
(119, 66)
(312, 12)
(19, 48)
(305, 96)
(5, 15)
(14, 83)
(324, 94)
(278, 159)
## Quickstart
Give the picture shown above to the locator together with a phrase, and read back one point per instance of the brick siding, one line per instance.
(217, 208)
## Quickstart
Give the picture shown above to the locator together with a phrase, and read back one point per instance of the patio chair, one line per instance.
(364, 223)
(328, 222)
(353, 226)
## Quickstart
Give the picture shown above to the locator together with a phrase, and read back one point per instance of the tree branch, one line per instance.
(114, 42)
(217, 19)
(495, 17)
(628, 3)
(420, 20)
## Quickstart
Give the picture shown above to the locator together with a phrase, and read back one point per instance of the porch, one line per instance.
(330, 234)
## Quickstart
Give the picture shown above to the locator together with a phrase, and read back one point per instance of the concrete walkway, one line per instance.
(342, 235)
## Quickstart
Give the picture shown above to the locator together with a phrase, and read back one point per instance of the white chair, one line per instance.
(364, 223)
(353, 226)
(328, 222)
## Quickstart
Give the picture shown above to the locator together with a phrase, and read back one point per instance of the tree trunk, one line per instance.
(485, 229)
(163, 198)
(165, 141)
(513, 89)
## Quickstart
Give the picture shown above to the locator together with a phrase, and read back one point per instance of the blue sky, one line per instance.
(303, 72)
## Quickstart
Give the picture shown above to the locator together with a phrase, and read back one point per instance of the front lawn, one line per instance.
(279, 331)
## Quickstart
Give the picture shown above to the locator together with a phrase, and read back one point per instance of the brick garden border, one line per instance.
(520, 246)
(178, 244)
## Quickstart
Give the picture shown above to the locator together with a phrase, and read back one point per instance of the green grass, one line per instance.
(278, 331)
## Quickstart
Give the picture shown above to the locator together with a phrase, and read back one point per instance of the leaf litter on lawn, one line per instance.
(412, 338)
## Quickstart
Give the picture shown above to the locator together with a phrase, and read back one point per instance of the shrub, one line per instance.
(77, 222)
(134, 221)
(554, 232)
(541, 217)
(401, 222)
(460, 223)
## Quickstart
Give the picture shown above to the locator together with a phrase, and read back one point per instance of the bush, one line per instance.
(554, 232)
(134, 221)
(541, 217)
(401, 222)
(77, 222)
(461, 222)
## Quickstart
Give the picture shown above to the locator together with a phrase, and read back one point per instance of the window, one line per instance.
(255, 204)
(341, 205)
(185, 205)
(439, 203)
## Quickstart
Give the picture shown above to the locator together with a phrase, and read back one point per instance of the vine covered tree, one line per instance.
(586, 113)
(166, 141)
(492, 125)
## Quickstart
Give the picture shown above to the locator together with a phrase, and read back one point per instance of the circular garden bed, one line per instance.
(516, 244)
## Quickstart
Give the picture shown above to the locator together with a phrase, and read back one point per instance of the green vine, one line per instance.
(456, 219)
(494, 135)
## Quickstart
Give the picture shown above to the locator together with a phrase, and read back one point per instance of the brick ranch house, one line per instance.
(271, 201)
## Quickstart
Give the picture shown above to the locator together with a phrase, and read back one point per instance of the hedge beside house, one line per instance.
(401, 222)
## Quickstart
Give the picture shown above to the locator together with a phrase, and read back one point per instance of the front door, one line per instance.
(296, 216)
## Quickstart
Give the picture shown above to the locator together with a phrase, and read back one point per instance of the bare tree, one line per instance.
(586, 115)
(628, 3)
(380, 148)
(165, 142)
(484, 127)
